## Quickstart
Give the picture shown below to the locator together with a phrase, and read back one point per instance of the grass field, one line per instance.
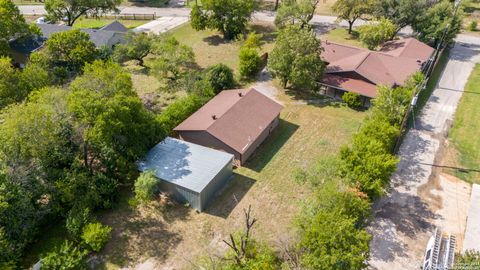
(176, 236)
(210, 47)
(465, 131)
(341, 35)
(99, 23)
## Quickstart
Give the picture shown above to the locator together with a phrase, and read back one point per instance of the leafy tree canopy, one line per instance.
(376, 33)
(172, 59)
(431, 25)
(115, 127)
(351, 10)
(295, 12)
(12, 24)
(71, 49)
(295, 59)
(230, 17)
(401, 12)
(70, 10)
(331, 230)
(137, 47)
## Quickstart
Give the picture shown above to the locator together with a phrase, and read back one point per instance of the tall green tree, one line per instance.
(70, 10)
(295, 12)
(114, 128)
(230, 17)
(351, 10)
(172, 59)
(71, 49)
(401, 12)
(295, 59)
(432, 25)
(12, 25)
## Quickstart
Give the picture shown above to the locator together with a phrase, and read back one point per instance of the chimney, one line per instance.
(240, 94)
(214, 117)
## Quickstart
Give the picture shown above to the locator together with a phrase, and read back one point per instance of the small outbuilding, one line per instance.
(190, 173)
(234, 121)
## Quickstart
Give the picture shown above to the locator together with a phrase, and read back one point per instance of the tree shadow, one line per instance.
(269, 148)
(230, 196)
(138, 232)
(215, 40)
(268, 32)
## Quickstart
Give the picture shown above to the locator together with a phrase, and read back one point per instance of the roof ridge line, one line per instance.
(231, 107)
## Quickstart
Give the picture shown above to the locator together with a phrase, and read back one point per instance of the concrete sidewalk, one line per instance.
(405, 218)
(472, 232)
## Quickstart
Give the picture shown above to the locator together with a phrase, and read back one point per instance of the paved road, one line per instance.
(404, 219)
(318, 20)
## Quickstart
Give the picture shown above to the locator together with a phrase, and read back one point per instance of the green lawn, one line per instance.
(210, 48)
(466, 129)
(99, 23)
(341, 35)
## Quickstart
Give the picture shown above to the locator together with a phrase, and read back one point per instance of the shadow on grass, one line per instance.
(48, 239)
(215, 40)
(268, 32)
(230, 196)
(139, 233)
(269, 148)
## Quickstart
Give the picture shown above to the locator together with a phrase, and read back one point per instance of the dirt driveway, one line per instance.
(420, 198)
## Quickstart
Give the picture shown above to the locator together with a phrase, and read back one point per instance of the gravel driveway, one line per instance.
(404, 219)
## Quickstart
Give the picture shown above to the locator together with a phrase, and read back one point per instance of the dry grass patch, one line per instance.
(210, 48)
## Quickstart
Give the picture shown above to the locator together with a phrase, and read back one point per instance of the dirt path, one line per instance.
(421, 199)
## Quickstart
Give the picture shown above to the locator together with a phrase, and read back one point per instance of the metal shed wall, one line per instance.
(181, 194)
(217, 183)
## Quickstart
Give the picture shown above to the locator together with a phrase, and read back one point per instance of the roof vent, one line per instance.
(419, 61)
(214, 117)
(240, 94)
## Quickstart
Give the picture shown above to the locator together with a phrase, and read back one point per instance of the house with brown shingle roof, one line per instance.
(358, 70)
(234, 121)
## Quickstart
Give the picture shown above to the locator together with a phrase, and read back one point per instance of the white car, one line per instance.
(41, 20)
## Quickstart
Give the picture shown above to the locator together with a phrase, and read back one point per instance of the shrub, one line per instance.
(250, 62)
(145, 187)
(331, 233)
(178, 111)
(376, 33)
(96, 235)
(353, 100)
(65, 257)
(77, 219)
(220, 77)
(472, 26)
(253, 41)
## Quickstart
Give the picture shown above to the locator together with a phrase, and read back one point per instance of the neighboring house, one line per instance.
(188, 172)
(358, 70)
(108, 36)
(234, 121)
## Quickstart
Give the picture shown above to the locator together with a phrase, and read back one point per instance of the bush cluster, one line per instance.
(369, 161)
(95, 235)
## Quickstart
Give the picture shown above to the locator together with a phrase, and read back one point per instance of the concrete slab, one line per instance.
(472, 232)
(161, 25)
